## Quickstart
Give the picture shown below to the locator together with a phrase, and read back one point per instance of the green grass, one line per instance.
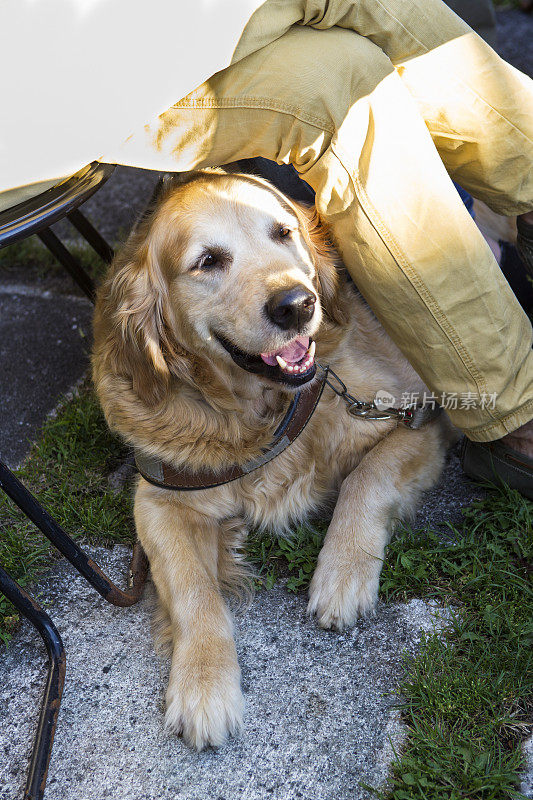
(67, 470)
(466, 695)
(294, 558)
(468, 698)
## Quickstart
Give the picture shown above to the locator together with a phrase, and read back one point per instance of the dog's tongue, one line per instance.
(291, 353)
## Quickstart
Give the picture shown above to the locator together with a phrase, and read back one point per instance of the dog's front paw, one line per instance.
(204, 700)
(338, 597)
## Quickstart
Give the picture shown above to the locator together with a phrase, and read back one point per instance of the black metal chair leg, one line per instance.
(91, 235)
(70, 262)
(44, 737)
(67, 260)
(30, 609)
(35, 216)
(72, 551)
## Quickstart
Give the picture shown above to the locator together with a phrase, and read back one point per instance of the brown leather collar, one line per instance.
(300, 412)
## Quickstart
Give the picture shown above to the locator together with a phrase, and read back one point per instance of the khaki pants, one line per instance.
(377, 104)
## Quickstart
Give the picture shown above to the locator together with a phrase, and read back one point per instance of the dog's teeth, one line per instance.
(301, 367)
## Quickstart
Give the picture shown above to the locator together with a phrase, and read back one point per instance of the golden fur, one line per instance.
(168, 387)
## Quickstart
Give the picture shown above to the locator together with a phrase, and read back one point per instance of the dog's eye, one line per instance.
(214, 257)
(284, 231)
(208, 261)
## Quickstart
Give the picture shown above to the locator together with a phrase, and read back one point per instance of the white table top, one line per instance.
(78, 76)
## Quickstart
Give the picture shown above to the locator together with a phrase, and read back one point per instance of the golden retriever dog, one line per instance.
(212, 317)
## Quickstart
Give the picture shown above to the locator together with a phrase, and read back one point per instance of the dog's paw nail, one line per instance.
(173, 720)
(329, 624)
(311, 608)
(205, 716)
(338, 604)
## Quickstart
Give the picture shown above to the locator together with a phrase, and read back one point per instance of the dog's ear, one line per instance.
(325, 258)
(135, 302)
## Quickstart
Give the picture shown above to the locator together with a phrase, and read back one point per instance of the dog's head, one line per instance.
(226, 271)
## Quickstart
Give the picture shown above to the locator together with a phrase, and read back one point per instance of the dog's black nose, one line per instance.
(291, 308)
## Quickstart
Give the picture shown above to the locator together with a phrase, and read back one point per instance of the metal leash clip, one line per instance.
(354, 407)
(414, 417)
(372, 412)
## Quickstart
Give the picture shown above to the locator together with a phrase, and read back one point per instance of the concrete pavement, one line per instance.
(319, 716)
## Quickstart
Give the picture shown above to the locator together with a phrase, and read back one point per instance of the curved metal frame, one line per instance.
(72, 551)
(37, 214)
(44, 209)
(44, 736)
(16, 223)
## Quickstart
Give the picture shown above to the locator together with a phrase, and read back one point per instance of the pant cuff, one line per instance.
(495, 429)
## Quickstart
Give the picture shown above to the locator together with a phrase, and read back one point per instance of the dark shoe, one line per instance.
(494, 462)
(524, 242)
(513, 267)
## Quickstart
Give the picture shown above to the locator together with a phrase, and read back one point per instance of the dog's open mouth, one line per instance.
(293, 364)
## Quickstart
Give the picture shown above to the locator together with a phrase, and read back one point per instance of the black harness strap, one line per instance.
(300, 411)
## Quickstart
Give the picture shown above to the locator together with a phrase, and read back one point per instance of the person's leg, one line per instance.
(477, 109)
(331, 103)
(475, 105)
